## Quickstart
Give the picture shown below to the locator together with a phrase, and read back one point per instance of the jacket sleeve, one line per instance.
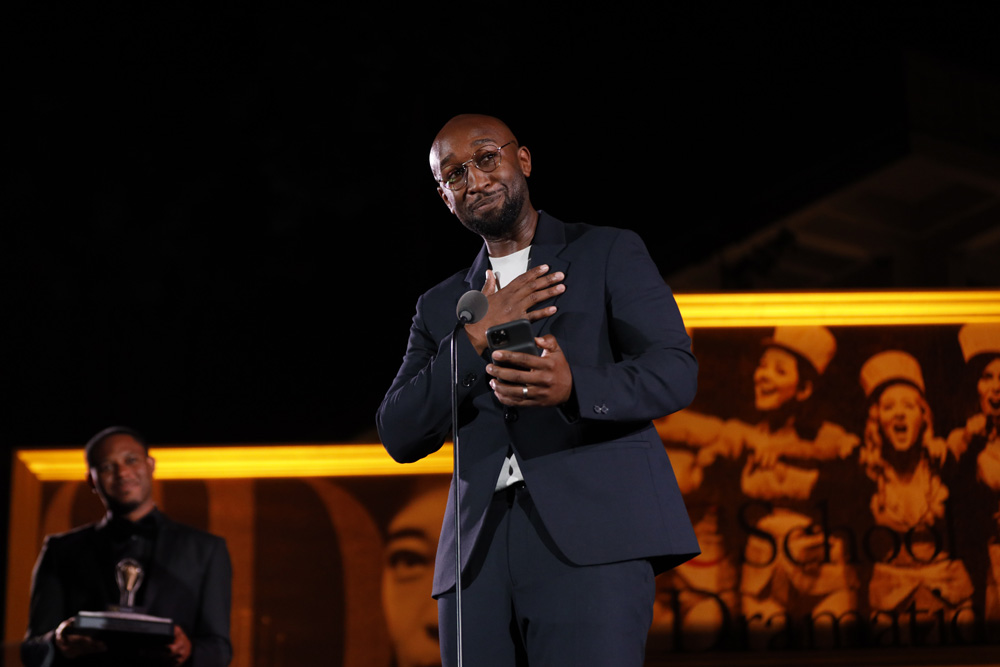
(415, 416)
(47, 610)
(210, 645)
(653, 373)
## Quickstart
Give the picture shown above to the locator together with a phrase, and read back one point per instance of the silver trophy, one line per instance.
(128, 574)
(123, 627)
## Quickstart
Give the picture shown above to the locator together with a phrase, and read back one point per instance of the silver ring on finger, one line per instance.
(524, 391)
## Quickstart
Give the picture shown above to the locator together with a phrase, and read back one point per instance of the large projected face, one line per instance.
(407, 578)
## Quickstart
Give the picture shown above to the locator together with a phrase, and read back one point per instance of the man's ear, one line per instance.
(90, 481)
(152, 463)
(447, 201)
(524, 159)
(806, 391)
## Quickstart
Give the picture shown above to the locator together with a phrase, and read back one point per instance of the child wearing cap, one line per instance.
(977, 443)
(790, 568)
(905, 460)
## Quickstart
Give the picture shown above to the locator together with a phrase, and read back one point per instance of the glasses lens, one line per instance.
(455, 178)
(487, 158)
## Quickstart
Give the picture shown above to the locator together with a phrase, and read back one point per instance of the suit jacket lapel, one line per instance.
(101, 561)
(549, 241)
(163, 548)
(476, 276)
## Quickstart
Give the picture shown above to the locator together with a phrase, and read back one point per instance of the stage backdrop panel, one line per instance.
(839, 463)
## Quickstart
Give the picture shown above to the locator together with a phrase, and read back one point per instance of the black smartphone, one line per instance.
(515, 336)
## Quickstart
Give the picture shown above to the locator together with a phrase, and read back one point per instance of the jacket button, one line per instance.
(510, 414)
(469, 380)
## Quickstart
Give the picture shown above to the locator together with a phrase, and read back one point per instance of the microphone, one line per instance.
(472, 307)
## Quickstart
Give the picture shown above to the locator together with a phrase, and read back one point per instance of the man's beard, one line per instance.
(121, 508)
(499, 224)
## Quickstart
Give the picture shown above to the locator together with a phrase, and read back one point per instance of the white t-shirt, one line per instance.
(506, 269)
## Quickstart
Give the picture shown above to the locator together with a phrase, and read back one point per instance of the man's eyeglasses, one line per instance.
(486, 158)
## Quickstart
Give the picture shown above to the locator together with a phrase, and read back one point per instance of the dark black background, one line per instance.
(219, 217)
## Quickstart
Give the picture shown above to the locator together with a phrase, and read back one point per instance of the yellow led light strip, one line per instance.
(839, 308)
(240, 462)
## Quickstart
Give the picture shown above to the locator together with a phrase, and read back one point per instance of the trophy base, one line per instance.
(124, 628)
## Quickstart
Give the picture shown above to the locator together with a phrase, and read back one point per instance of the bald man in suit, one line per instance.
(569, 504)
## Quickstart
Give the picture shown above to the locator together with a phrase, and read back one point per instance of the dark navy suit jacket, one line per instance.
(189, 580)
(596, 469)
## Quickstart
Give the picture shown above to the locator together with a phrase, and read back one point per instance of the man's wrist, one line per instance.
(477, 336)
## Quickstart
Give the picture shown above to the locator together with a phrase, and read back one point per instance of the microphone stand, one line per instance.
(471, 308)
(458, 509)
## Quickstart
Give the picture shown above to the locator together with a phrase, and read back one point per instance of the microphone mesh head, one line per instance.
(472, 307)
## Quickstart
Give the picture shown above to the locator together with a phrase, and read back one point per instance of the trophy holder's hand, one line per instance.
(73, 645)
(180, 649)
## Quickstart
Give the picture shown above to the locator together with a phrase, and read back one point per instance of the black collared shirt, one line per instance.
(136, 540)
